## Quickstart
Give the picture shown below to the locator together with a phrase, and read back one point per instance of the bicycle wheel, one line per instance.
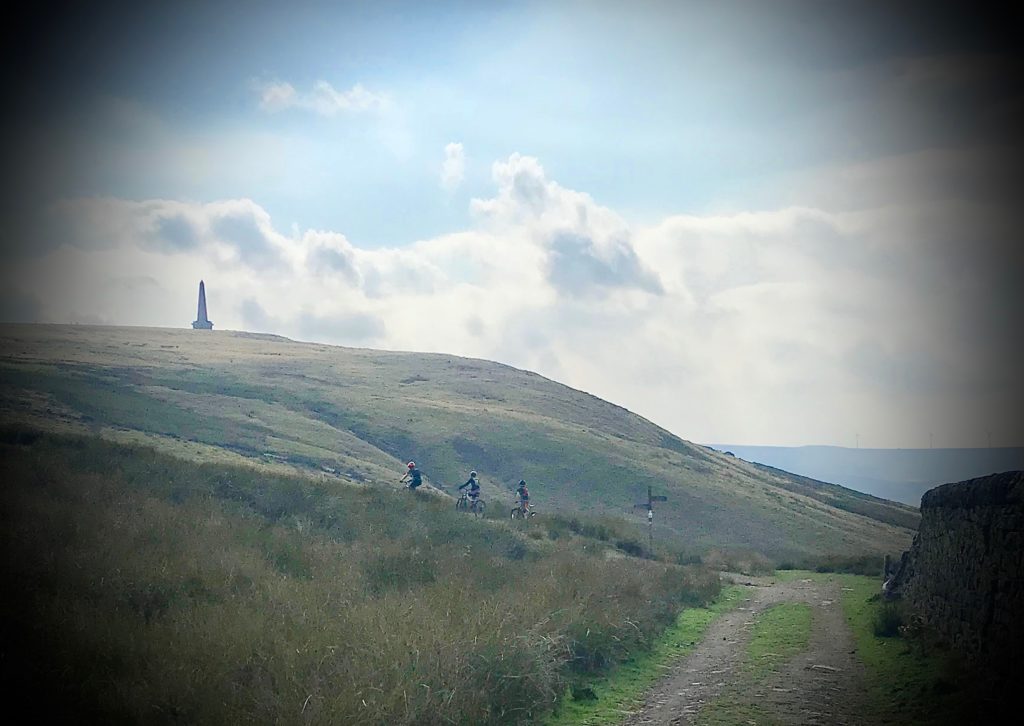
(460, 503)
(478, 508)
(516, 513)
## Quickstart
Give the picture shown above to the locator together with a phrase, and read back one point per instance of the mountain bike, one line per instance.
(520, 512)
(476, 506)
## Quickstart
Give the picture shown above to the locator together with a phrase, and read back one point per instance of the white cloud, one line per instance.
(792, 325)
(587, 247)
(453, 168)
(322, 98)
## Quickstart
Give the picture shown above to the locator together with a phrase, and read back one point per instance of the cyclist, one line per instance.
(523, 495)
(413, 475)
(474, 488)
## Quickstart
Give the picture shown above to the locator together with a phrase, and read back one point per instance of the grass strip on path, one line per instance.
(905, 683)
(780, 632)
(623, 689)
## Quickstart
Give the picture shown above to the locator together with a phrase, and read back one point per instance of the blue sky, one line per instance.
(796, 216)
(688, 107)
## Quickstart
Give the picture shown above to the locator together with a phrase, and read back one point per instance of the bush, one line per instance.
(887, 620)
(631, 547)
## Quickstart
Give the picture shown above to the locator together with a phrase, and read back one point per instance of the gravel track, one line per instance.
(822, 684)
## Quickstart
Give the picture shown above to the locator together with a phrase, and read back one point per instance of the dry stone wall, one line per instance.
(964, 573)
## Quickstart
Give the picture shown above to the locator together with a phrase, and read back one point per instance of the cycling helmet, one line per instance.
(522, 483)
(472, 474)
(411, 465)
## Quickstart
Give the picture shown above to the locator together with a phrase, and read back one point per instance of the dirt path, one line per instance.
(821, 685)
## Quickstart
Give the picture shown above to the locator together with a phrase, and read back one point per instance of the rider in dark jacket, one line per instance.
(523, 494)
(474, 487)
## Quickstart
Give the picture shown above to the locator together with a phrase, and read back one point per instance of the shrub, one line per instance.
(631, 547)
(887, 620)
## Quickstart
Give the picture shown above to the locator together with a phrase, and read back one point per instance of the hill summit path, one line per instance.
(823, 684)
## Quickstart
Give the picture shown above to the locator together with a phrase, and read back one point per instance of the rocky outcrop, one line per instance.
(963, 576)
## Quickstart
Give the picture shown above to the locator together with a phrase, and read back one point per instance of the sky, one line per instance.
(778, 223)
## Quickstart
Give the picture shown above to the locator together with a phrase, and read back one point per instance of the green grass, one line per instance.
(909, 683)
(144, 588)
(780, 632)
(605, 700)
(363, 413)
(911, 680)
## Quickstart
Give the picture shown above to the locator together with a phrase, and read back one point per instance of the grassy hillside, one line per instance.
(142, 588)
(234, 397)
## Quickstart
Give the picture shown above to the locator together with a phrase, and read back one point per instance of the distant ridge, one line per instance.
(899, 475)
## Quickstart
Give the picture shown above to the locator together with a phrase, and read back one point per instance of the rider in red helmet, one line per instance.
(413, 475)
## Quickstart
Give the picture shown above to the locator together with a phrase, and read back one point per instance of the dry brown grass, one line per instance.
(150, 589)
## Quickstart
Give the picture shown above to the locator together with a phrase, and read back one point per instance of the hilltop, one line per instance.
(355, 415)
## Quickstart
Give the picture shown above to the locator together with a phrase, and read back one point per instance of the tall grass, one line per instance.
(144, 588)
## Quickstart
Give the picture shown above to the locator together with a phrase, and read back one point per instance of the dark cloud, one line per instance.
(575, 268)
(528, 188)
(331, 261)
(242, 231)
(175, 233)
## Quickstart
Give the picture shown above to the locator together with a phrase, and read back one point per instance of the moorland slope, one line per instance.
(356, 415)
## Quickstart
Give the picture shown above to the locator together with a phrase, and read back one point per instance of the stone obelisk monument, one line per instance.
(202, 322)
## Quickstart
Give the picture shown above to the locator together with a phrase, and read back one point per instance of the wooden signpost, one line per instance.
(649, 505)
